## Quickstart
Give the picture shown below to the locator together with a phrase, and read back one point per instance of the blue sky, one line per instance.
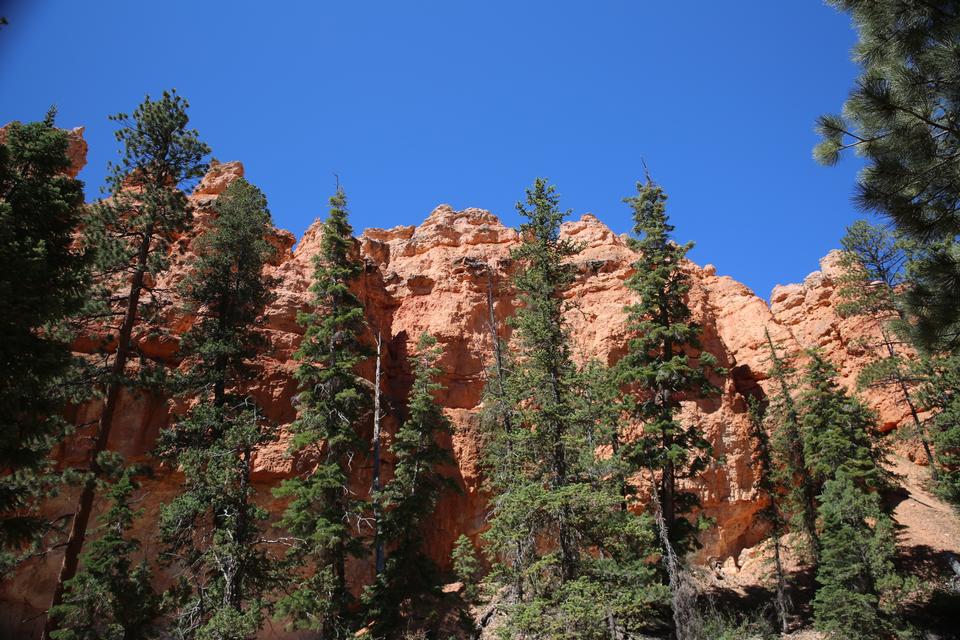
(423, 102)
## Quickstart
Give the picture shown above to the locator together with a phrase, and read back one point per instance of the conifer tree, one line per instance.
(856, 539)
(129, 234)
(212, 529)
(112, 597)
(405, 590)
(940, 392)
(857, 582)
(837, 431)
(322, 511)
(43, 279)
(791, 470)
(772, 513)
(873, 285)
(657, 370)
(902, 116)
(594, 580)
(466, 567)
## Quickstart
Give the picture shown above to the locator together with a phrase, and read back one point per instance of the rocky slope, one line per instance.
(437, 277)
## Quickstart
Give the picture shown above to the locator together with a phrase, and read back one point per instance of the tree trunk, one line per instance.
(375, 488)
(78, 528)
(914, 414)
(783, 604)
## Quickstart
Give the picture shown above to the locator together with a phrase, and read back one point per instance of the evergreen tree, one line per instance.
(791, 470)
(112, 597)
(857, 582)
(466, 567)
(837, 430)
(43, 279)
(595, 582)
(902, 116)
(211, 529)
(657, 370)
(129, 234)
(408, 586)
(856, 540)
(772, 513)
(322, 511)
(940, 392)
(873, 285)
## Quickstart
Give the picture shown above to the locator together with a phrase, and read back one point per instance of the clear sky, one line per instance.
(424, 102)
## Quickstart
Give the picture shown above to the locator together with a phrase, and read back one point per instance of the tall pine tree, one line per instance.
(129, 234)
(657, 370)
(43, 279)
(855, 576)
(874, 284)
(791, 470)
(400, 600)
(323, 511)
(903, 116)
(592, 579)
(837, 430)
(212, 529)
(772, 513)
(858, 586)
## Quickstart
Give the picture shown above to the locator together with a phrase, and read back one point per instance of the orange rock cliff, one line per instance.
(435, 277)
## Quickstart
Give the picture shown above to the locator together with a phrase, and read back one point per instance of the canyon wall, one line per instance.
(436, 278)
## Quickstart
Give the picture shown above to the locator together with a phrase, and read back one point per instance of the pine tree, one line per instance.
(322, 511)
(856, 540)
(112, 597)
(791, 470)
(873, 285)
(43, 279)
(129, 234)
(940, 392)
(409, 584)
(857, 582)
(902, 116)
(772, 513)
(594, 580)
(211, 530)
(466, 567)
(837, 431)
(657, 370)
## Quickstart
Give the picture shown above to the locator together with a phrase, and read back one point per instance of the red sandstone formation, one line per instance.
(435, 277)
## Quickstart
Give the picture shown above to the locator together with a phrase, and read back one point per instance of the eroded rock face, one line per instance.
(438, 277)
(809, 312)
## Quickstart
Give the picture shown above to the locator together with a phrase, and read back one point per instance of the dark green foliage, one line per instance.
(322, 512)
(407, 588)
(131, 231)
(858, 585)
(791, 470)
(43, 280)
(856, 535)
(593, 578)
(772, 514)
(657, 370)
(227, 291)
(466, 567)
(941, 393)
(112, 597)
(212, 530)
(837, 430)
(129, 235)
(902, 116)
